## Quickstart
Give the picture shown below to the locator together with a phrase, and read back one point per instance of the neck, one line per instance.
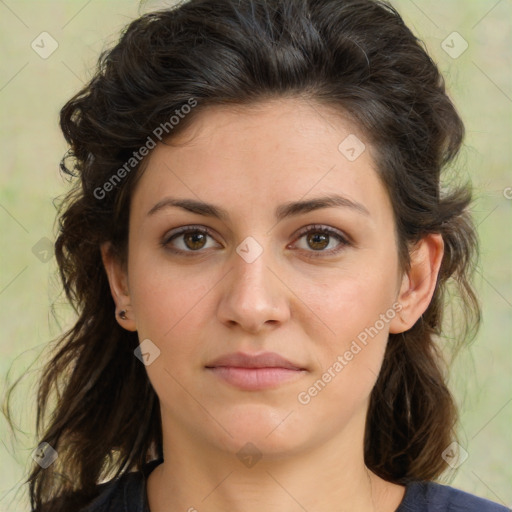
(197, 476)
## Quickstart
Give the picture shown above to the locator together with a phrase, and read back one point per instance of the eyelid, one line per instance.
(183, 229)
(325, 229)
(344, 239)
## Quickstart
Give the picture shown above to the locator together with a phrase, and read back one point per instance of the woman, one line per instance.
(258, 248)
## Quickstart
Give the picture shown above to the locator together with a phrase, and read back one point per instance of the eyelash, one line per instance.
(343, 241)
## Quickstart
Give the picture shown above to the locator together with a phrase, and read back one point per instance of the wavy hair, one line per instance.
(355, 56)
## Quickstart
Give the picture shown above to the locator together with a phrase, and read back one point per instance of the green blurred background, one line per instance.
(32, 90)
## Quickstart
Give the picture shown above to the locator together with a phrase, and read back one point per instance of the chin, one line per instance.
(269, 430)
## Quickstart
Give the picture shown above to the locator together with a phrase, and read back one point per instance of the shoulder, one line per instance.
(124, 494)
(110, 496)
(434, 497)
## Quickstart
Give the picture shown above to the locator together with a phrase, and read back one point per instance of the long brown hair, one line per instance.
(356, 56)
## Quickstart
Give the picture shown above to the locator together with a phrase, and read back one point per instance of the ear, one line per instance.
(118, 281)
(419, 283)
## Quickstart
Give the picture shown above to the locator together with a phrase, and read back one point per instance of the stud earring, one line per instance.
(122, 314)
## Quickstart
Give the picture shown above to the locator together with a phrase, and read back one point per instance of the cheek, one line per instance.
(351, 301)
(167, 304)
(349, 360)
(355, 308)
(163, 294)
(171, 310)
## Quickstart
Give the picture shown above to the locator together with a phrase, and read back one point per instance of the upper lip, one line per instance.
(262, 360)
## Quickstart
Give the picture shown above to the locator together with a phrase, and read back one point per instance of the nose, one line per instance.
(253, 297)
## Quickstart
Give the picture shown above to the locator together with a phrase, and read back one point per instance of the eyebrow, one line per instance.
(283, 211)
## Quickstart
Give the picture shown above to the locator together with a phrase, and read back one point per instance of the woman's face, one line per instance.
(290, 249)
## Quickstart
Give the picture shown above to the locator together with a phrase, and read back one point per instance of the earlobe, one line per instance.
(118, 281)
(419, 283)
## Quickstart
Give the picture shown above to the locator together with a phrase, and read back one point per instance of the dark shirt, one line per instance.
(128, 494)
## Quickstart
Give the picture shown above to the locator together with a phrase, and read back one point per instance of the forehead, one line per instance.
(272, 151)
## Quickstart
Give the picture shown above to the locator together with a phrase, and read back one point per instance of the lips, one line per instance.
(264, 360)
(255, 372)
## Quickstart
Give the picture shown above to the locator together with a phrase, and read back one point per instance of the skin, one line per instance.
(198, 305)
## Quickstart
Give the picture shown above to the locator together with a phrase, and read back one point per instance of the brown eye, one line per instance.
(317, 241)
(321, 240)
(195, 240)
(189, 239)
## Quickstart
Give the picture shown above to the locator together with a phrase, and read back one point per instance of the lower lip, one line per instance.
(256, 378)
